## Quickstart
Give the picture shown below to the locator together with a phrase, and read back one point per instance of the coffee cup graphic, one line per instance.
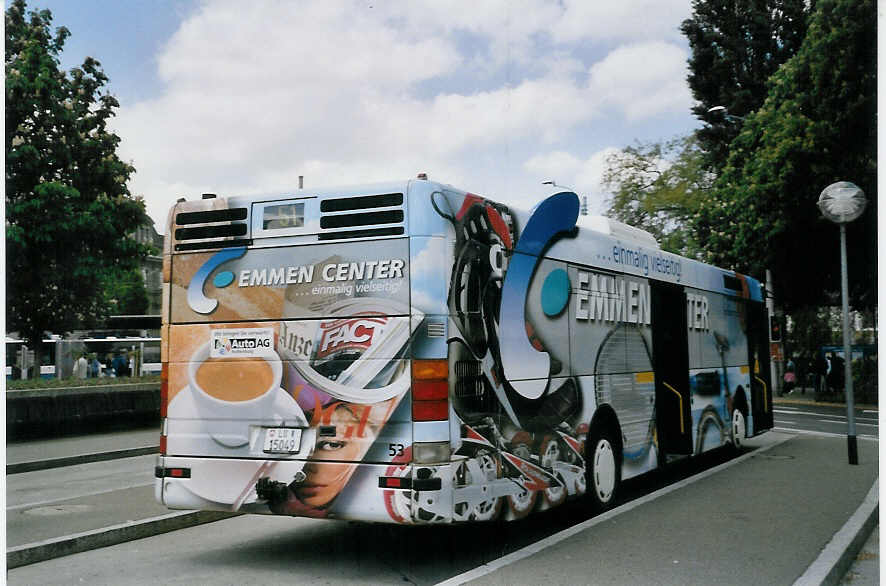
(228, 390)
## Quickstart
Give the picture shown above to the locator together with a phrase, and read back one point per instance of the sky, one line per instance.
(491, 96)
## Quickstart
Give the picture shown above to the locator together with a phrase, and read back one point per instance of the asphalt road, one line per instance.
(260, 549)
(797, 416)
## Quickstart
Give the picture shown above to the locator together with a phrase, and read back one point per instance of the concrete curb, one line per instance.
(810, 402)
(31, 553)
(837, 556)
(34, 465)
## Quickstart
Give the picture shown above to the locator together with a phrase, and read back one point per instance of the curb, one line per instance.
(54, 392)
(837, 556)
(31, 553)
(783, 400)
(35, 465)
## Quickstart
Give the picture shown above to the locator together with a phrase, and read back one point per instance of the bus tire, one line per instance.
(603, 468)
(737, 429)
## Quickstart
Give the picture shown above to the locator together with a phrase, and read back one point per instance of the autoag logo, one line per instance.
(197, 300)
(525, 367)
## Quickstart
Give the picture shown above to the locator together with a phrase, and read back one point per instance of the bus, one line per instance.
(412, 353)
(57, 351)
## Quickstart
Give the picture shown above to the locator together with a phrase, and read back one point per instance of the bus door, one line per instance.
(670, 354)
(758, 359)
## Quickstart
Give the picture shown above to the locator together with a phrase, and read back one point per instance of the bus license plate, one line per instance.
(282, 440)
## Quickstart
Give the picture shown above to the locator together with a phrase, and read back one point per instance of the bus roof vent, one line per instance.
(211, 229)
(618, 230)
(361, 216)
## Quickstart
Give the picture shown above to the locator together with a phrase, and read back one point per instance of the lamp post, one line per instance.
(725, 112)
(841, 203)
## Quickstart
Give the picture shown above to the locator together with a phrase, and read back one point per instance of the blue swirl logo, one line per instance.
(525, 367)
(197, 300)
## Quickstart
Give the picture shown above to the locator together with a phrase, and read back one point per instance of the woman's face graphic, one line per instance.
(326, 480)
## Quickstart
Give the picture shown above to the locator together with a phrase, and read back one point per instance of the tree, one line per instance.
(736, 46)
(126, 293)
(817, 126)
(68, 209)
(657, 186)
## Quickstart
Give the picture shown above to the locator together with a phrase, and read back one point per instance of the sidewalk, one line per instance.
(767, 518)
(798, 397)
(60, 447)
(27, 456)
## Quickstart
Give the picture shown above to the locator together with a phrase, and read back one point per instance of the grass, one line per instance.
(54, 383)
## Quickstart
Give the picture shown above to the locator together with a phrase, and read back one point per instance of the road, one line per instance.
(259, 549)
(824, 419)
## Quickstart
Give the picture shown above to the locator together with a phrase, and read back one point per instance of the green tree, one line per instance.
(126, 293)
(736, 46)
(68, 209)
(657, 187)
(817, 126)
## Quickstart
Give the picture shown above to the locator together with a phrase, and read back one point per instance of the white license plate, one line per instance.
(282, 440)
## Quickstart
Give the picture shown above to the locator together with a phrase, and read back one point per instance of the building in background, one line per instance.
(152, 266)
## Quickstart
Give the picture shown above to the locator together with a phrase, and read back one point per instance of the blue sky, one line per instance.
(493, 97)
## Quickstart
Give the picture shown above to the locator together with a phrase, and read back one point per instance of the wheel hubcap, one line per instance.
(738, 428)
(604, 470)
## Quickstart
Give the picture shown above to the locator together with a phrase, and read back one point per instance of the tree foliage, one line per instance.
(68, 209)
(817, 126)
(736, 46)
(126, 293)
(657, 187)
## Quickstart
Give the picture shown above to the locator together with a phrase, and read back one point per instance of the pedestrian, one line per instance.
(790, 379)
(836, 376)
(819, 370)
(81, 367)
(95, 366)
(121, 364)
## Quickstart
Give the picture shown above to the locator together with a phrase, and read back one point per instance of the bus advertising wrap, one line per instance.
(290, 368)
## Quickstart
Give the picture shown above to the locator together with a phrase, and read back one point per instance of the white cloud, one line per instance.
(643, 79)
(344, 92)
(635, 19)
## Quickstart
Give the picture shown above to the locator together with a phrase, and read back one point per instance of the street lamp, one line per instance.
(725, 112)
(841, 203)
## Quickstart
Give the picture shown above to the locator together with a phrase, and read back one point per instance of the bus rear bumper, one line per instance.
(385, 493)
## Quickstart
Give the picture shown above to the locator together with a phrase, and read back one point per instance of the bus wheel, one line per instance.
(550, 453)
(737, 429)
(603, 469)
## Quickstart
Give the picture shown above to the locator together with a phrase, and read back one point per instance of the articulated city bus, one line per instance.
(412, 353)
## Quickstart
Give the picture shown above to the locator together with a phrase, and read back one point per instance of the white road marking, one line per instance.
(815, 414)
(844, 421)
(823, 433)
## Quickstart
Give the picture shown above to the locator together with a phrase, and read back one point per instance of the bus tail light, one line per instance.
(430, 390)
